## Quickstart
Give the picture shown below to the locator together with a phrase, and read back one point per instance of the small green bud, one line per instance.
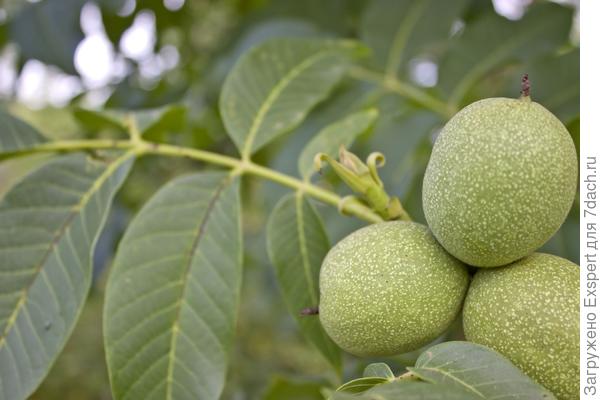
(364, 180)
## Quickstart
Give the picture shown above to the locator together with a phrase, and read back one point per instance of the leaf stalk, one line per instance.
(240, 166)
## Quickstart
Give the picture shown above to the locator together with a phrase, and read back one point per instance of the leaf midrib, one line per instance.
(401, 37)
(274, 94)
(460, 381)
(58, 237)
(185, 279)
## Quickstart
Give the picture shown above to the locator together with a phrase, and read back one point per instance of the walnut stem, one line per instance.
(525, 85)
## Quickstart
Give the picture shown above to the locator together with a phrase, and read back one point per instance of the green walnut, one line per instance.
(529, 312)
(389, 288)
(500, 181)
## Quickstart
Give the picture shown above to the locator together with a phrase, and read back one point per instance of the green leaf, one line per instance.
(333, 17)
(172, 295)
(152, 123)
(274, 86)
(49, 223)
(555, 83)
(100, 120)
(349, 97)
(39, 36)
(283, 388)
(155, 123)
(400, 30)
(53, 123)
(256, 34)
(381, 370)
(360, 385)
(492, 41)
(409, 391)
(477, 369)
(329, 139)
(297, 244)
(16, 135)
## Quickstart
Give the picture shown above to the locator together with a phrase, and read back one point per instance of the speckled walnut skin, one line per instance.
(500, 181)
(529, 312)
(389, 288)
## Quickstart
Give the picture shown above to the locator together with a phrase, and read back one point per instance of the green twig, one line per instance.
(132, 128)
(404, 89)
(239, 166)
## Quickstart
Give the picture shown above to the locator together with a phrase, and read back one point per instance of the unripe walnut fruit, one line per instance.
(529, 311)
(389, 288)
(500, 181)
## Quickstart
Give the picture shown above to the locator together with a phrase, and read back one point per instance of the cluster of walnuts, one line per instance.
(500, 182)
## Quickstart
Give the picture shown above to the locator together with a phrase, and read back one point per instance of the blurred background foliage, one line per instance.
(61, 61)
